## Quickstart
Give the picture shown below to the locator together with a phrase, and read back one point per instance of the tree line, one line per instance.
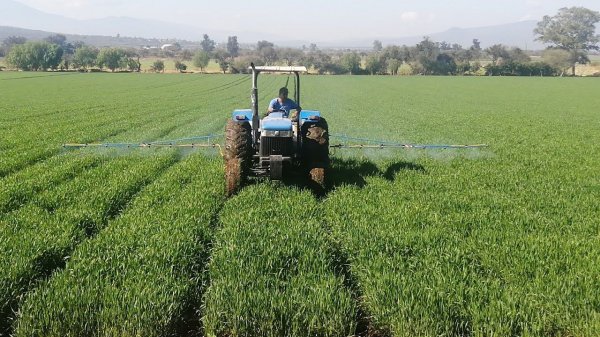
(571, 34)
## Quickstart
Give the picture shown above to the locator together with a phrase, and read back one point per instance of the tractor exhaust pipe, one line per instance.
(255, 117)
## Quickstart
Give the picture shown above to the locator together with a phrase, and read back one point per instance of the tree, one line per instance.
(374, 65)
(134, 64)
(112, 58)
(264, 44)
(35, 56)
(269, 55)
(290, 55)
(233, 47)
(85, 57)
(558, 58)
(426, 55)
(350, 63)
(207, 44)
(222, 58)
(13, 41)
(377, 46)
(201, 60)
(517, 55)
(58, 39)
(572, 29)
(393, 65)
(476, 49)
(180, 66)
(9, 42)
(158, 66)
(497, 52)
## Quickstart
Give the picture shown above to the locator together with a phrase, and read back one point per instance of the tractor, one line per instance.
(277, 143)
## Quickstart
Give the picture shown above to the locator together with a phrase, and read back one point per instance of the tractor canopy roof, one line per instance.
(277, 69)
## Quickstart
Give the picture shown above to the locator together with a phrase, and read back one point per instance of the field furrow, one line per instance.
(38, 238)
(16, 190)
(272, 270)
(136, 120)
(142, 275)
(431, 261)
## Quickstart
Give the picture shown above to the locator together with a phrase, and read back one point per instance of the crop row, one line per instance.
(136, 120)
(39, 237)
(431, 260)
(272, 271)
(142, 275)
(17, 189)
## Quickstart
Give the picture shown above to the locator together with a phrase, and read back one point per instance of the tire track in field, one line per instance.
(38, 76)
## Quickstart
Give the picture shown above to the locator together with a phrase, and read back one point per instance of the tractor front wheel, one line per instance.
(238, 155)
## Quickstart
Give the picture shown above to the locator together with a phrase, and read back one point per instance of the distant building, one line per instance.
(171, 47)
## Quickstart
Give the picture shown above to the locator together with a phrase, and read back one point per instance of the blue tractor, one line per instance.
(281, 141)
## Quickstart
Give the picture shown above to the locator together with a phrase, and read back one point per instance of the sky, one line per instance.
(311, 19)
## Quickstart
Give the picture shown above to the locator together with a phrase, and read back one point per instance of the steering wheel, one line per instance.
(285, 112)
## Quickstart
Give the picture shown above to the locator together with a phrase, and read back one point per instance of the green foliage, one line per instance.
(393, 65)
(207, 44)
(35, 56)
(223, 58)
(497, 52)
(558, 58)
(292, 289)
(150, 258)
(201, 59)
(38, 238)
(233, 47)
(85, 57)
(180, 66)
(521, 69)
(499, 241)
(350, 63)
(374, 64)
(571, 29)
(158, 66)
(112, 58)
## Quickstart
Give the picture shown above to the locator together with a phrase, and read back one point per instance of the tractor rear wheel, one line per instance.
(238, 155)
(315, 152)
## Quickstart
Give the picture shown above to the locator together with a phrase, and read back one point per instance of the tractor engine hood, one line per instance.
(276, 122)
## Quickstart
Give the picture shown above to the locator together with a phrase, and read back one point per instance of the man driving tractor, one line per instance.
(283, 103)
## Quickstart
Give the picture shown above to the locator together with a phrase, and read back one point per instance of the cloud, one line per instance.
(409, 16)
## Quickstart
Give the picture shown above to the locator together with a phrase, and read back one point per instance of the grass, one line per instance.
(498, 241)
(273, 272)
(38, 238)
(138, 277)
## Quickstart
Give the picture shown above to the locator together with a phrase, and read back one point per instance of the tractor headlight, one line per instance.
(271, 133)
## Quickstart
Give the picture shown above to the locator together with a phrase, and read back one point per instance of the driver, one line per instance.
(283, 103)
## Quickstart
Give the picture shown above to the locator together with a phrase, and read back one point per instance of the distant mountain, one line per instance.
(16, 14)
(94, 40)
(519, 34)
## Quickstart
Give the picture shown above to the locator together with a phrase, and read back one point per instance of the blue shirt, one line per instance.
(288, 105)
